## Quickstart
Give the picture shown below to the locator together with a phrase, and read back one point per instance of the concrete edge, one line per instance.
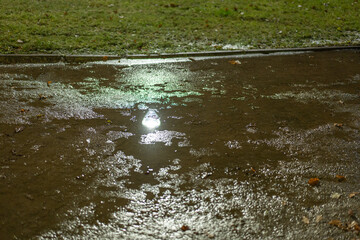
(240, 52)
(54, 58)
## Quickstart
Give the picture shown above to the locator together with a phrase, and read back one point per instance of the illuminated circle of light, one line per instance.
(151, 120)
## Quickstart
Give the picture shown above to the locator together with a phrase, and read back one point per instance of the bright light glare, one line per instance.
(151, 119)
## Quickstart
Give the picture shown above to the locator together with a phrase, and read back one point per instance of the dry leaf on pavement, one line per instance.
(336, 223)
(335, 195)
(305, 220)
(235, 62)
(340, 178)
(318, 218)
(314, 181)
(184, 228)
(353, 194)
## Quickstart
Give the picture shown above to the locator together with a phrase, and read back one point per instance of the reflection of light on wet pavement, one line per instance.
(151, 119)
(164, 137)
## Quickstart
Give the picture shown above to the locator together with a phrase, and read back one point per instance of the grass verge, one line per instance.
(144, 26)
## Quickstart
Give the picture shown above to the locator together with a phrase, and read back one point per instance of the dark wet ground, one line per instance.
(231, 159)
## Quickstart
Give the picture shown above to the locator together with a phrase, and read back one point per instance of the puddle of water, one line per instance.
(180, 150)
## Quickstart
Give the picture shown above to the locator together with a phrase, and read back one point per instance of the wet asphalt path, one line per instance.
(218, 148)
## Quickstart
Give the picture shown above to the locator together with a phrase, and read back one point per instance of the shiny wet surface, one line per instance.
(181, 150)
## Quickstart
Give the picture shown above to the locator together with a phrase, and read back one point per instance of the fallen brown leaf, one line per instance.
(357, 227)
(314, 181)
(336, 223)
(185, 228)
(105, 58)
(338, 125)
(353, 226)
(335, 195)
(305, 220)
(353, 194)
(340, 178)
(235, 62)
(318, 218)
(48, 83)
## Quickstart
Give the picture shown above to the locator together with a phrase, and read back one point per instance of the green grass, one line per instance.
(144, 26)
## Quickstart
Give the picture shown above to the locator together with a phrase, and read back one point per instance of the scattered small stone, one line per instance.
(80, 177)
(20, 41)
(149, 170)
(41, 97)
(19, 129)
(28, 196)
(205, 175)
(13, 151)
(266, 213)
(211, 235)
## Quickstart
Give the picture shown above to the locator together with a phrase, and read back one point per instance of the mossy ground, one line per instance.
(144, 26)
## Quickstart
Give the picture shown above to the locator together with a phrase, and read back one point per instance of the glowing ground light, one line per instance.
(151, 119)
